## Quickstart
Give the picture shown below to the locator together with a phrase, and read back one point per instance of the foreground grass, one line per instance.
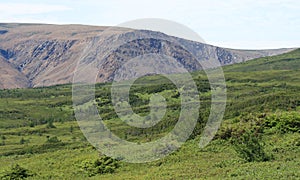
(216, 161)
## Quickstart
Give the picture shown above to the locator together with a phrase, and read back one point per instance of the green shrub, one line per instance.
(17, 172)
(285, 122)
(22, 141)
(3, 137)
(53, 139)
(31, 124)
(236, 128)
(2, 143)
(102, 165)
(50, 124)
(250, 147)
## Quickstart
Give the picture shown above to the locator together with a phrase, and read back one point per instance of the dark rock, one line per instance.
(7, 54)
(3, 32)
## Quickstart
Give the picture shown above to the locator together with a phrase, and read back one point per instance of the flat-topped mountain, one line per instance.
(33, 55)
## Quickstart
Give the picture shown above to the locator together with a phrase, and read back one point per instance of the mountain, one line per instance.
(34, 55)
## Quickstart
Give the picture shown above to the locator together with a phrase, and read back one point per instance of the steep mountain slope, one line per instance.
(10, 77)
(35, 55)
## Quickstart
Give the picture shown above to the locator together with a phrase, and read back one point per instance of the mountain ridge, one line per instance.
(34, 55)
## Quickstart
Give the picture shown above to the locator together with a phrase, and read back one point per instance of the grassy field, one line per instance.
(38, 130)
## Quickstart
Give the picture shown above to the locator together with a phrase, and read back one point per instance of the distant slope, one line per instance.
(10, 77)
(36, 55)
(286, 61)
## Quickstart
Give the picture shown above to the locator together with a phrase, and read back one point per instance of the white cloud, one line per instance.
(232, 23)
(10, 9)
(45, 20)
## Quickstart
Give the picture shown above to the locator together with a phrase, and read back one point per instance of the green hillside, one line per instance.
(288, 61)
(259, 137)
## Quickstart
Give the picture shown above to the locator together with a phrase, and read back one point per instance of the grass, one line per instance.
(261, 93)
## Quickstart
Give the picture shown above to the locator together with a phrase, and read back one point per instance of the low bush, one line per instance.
(250, 147)
(285, 122)
(17, 172)
(102, 165)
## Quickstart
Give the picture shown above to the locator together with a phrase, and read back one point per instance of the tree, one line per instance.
(22, 141)
(3, 140)
(71, 129)
(3, 137)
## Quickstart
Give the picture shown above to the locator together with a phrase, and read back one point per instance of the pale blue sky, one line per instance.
(249, 24)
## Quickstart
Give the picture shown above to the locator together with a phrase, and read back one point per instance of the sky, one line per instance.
(242, 24)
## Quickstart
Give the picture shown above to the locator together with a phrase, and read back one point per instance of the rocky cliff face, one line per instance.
(34, 55)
